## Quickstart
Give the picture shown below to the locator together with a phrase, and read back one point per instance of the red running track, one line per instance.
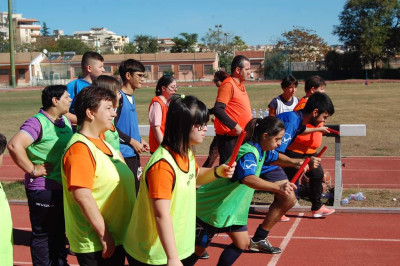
(363, 172)
(340, 239)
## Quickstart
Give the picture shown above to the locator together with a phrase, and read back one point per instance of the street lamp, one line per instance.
(218, 27)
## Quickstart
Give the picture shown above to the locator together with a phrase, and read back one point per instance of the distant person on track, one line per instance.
(287, 100)
(92, 66)
(232, 107)
(37, 149)
(6, 227)
(219, 77)
(99, 188)
(223, 205)
(162, 226)
(166, 86)
(318, 108)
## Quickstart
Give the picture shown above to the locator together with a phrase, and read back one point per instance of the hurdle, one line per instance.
(346, 130)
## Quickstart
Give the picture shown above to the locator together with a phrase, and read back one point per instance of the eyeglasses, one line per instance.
(172, 87)
(141, 76)
(201, 127)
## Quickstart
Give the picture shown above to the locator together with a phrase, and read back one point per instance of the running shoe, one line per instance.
(323, 211)
(263, 246)
(284, 218)
(205, 255)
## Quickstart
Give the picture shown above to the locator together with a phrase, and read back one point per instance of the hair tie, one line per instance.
(183, 96)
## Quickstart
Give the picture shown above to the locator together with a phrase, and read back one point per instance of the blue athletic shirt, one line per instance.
(247, 164)
(293, 126)
(73, 88)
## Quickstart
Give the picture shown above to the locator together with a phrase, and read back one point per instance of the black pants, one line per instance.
(95, 258)
(316, 177)
(46, 213)
(212, 154)
(189, 261)
(226, 144)
(134, 164)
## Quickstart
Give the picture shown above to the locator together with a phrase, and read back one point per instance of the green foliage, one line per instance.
(303, 44)
(347, 61)
(185, 44)
(4, 44)
(45, 30)
(129, 48)
(66, 45)
(146, 44)
(168, 72)
(370, 27)
(274, 67)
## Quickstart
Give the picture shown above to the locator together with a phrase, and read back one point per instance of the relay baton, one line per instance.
(333, 131)
(319, 155)
(237, 147)
(300, 171)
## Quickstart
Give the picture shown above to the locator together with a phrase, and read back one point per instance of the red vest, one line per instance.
(164, 108)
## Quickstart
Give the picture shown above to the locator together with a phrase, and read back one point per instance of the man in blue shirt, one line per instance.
(92, 67)
(318, 108)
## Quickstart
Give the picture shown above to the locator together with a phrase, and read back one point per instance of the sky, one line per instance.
(255, 21)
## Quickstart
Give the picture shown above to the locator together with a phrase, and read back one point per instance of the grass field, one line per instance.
(375, 105)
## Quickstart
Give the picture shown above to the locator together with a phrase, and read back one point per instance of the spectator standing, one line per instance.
(287, 100)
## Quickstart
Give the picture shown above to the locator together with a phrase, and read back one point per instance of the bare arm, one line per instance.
(158, 134)
(261, 184)
(165, 230)
(72, 118)
(286, 161)
(17, 148)
(206, 175)
(85, 200)
(315, 129)
(272, 111)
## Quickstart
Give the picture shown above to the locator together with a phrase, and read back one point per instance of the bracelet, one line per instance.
(215, 173)
(33, 171)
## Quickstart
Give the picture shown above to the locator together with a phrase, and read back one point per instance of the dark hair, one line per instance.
(238, 61)
(49, 93)
(90, 98)
(320, 101)
(3, 143)
(313, 82)
(131, 66)
(256, 127)
(108, 82)
(220, 76)
(289, 80)
(164, 81)
(90, 56)
(183, 113)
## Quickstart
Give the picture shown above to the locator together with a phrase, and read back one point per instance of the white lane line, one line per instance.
(275, 258)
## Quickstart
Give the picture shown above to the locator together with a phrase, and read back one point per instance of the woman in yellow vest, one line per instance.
(162, 226)
(99, 188)
(37, 149)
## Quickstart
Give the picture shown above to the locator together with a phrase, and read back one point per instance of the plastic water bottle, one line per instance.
(253, 113)
(345, 201)
(358, 196)
(266, 112)
(260, 113)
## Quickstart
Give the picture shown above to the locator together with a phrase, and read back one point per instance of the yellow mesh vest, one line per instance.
(142, 241)
(114, 193)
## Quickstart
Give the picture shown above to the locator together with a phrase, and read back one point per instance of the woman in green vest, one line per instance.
(99, 188)
(223, 205)
(37, 149)
(162, 227)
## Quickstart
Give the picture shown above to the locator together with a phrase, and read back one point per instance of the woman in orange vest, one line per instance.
(166, 86)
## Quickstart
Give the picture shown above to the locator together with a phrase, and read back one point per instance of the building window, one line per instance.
(4, 72)
(147, 69)
(208, 70)
(163, 68)
(21, 73)
(107, 69)
(185, 67)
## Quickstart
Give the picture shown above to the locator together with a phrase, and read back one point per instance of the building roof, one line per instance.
(160, 57)
(20, 58)
(252, 54)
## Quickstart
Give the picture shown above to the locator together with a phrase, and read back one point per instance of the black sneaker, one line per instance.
(263, 246)
(204, 256)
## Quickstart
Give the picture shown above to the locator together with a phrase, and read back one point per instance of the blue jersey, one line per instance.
(293, 126)
(73, 88)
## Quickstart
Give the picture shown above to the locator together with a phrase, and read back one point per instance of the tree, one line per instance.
(69, 45)
(4, 44)
(302, 44)
(274, 64)
(349, 60)
(185, 44)
(370, 27)
(146, 44)
(129, 48)
(45, 29)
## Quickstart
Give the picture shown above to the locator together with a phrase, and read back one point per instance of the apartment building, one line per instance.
(25, 29)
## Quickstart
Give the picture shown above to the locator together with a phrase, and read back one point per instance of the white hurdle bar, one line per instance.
(346, 130)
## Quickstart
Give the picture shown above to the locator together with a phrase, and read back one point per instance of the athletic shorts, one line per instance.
(275, 175)
(206, 232)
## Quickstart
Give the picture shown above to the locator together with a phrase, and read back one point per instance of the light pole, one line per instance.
(218, 27)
